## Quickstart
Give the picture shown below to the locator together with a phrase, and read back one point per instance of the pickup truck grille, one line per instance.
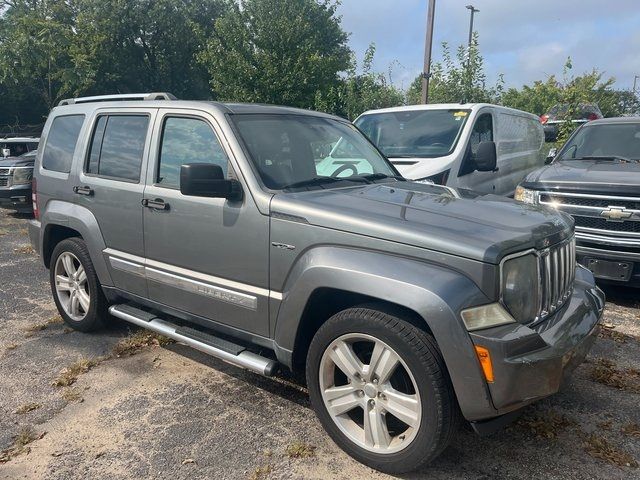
(557, 274)
(4, 181)
(598, 214)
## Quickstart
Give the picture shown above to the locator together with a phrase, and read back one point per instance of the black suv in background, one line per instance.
(15, 181)
(596, 178)
(552, 120)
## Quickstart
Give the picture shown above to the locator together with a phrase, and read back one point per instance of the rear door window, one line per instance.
(61, 143)
(117, 146)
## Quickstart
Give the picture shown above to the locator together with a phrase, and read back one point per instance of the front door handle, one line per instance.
(156, 204)
(88, 191)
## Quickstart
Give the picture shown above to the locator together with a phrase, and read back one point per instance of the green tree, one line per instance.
(358, 92)
(276, 51)
(458, 79)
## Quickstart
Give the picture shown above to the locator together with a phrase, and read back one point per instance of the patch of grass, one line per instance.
(12, 346)
(546, 424)
(300, 450)
(632, 429)
(261, 473)
(137, 341)
(72, 395)
(611, 334)
(605, 371)
(23, 231)
(27, 407)
(38, 327)
(20, 444)
(70, 374)
(599, 447)
(24, 249)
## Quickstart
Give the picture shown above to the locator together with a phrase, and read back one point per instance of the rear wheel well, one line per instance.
(53, 235)
(326, 302)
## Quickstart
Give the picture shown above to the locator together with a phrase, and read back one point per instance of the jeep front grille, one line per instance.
(557, 273)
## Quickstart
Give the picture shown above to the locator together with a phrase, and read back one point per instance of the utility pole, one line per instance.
(473, 10)
(635, 83)
(428, 41)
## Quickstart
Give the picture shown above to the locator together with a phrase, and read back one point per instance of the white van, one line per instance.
(481, 147)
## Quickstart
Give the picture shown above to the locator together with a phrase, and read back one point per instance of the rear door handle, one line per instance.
(88, 191)
(156, 204)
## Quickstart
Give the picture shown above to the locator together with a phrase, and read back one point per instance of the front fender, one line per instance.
(84, 222)
(435, 293)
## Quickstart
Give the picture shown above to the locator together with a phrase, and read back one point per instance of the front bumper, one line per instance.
(612, 253)
(530, 363)
(16, 197)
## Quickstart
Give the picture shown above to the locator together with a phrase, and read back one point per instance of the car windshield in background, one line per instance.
(296, 151)
(605, 141)
(414, 133)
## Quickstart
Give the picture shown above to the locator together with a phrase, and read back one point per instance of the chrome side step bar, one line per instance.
(206, 343)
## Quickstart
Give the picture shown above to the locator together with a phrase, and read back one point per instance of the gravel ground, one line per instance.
(167, 411)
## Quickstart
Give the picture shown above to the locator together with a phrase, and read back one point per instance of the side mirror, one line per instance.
(551, 155)
(207, 180)
(486, 158)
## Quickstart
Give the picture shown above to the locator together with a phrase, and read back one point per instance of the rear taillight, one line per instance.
(544, 119)
(593, 116)
(34, 198)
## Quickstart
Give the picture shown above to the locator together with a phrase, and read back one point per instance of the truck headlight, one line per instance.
(22, 176)
(520, 287)
(524, 195)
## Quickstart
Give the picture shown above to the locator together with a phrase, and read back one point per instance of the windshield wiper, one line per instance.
(309, 182)
(378, 176)
(606, 157)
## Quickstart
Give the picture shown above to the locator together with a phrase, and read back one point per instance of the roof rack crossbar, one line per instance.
(119, 97)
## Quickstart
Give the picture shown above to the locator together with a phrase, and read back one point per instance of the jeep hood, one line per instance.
(592, 176)
(482, 228)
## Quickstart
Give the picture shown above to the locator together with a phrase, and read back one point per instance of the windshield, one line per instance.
(414, 133)
(616, 140)
(303, 150)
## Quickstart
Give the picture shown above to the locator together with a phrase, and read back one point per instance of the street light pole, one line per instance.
(428, 41)
(473, 10)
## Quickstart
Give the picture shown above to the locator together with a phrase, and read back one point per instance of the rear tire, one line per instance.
(75, 286)
(395, 410)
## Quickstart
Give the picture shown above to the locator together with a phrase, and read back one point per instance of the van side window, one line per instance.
(187, 140)
(482, 132)
(117, 146)
(61, 143)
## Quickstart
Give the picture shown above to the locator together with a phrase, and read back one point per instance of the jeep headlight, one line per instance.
(22, 175)
(524, 195)
(520, 287)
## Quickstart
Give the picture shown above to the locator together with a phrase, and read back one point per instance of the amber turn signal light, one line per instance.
(485, 362)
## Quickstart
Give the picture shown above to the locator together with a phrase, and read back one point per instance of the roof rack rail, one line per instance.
(119, 97)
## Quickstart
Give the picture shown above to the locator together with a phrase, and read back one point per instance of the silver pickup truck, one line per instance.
(408, 306)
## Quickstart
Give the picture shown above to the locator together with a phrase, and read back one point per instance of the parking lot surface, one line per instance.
(120, 404)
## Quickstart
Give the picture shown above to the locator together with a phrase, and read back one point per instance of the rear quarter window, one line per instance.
(61, 143)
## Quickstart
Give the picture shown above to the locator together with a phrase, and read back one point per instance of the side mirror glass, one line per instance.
(207, 180)
(486, 158)
(551, 155)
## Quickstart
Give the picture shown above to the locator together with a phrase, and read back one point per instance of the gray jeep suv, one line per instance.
(407, 306)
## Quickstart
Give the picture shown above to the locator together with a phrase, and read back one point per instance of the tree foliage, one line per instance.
(276, 51)
(358, 92)
(458, 79)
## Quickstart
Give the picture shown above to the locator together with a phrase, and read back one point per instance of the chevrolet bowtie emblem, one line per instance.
(616, 214)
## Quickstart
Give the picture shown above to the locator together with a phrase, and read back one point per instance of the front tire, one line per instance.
(380, 389)
(75, 286)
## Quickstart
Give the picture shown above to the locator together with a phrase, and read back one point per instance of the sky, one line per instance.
(525, 40)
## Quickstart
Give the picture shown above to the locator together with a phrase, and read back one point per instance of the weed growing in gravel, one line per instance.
(26, 408)
(300, 450)
(599, 447)
(12, 346)
(261, 473)
(632, 429)
(38, 327)
(604, 371)
(547, 424)
(611, 334)
(69, 375)
(20, 444)
(72, 394)
(24, 249)
(137, 341)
